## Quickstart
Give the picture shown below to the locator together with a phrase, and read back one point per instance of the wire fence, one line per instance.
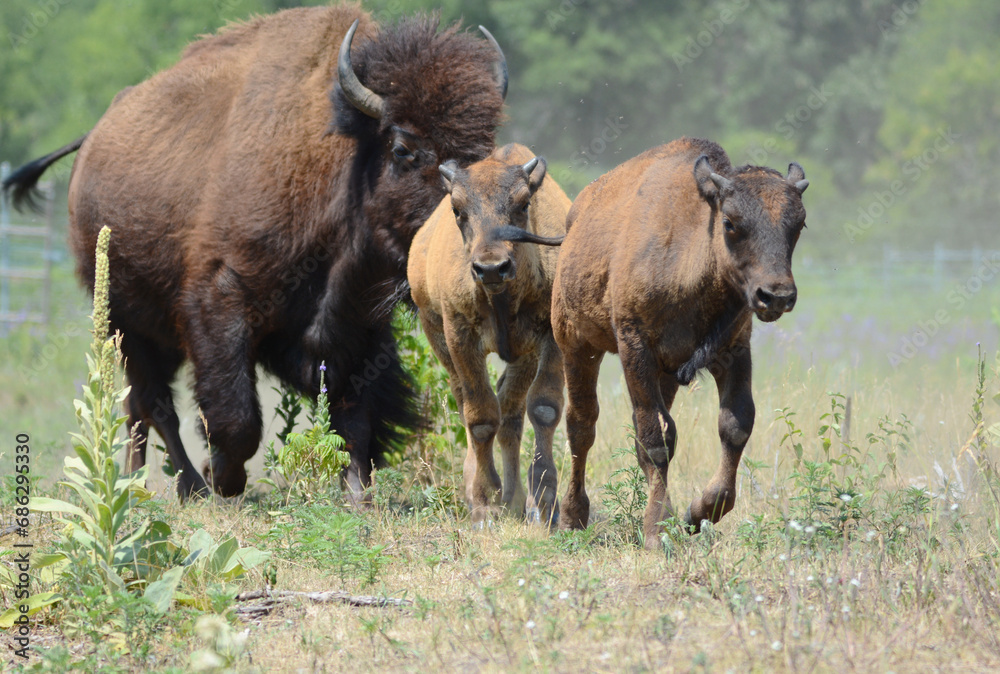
(26, 256)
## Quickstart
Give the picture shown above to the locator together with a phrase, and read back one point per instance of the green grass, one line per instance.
(903, 574)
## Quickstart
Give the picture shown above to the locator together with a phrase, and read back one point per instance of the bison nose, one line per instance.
(492, 274)
(777, 300)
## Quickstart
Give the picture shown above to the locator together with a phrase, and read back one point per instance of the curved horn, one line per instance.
(365, 100)
(499, 66)
(530, 166)
(448, 170)
(518, 235)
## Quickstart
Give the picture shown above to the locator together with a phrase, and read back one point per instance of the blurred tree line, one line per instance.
(892, 106)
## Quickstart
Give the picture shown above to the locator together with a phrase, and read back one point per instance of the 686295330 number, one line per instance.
(22, 482)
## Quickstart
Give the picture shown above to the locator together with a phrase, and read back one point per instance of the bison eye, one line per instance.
(457, 214)
(402, 153)
(728, 224)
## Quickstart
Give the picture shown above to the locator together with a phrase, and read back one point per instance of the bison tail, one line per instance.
(20, 185)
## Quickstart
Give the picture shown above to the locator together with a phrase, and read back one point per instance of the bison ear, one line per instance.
(710, 183)
(535, 170)
(797, 176)
(448, 170)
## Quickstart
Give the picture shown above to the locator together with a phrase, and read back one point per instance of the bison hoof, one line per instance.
(227, 478)
(191, 486)
(539, 516)
(693, 526)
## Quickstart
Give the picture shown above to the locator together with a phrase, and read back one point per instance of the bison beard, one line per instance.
(255, 223)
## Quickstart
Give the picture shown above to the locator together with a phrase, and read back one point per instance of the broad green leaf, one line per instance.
(220, 557)
(47, 559)
(161, 592)
(51, 505)
(35, 603)
(200, 541)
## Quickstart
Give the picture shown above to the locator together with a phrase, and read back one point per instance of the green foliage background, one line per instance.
(851, 89)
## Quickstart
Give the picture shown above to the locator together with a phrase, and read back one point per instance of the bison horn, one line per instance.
(447, 169)
(499, 66)
(530, 166)
(364, 99)
(518, 235)
(797, 177)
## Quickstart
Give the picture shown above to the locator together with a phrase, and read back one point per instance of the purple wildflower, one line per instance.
(322, 367)
(322, 389)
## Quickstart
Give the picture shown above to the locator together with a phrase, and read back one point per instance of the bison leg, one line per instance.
(736, 416)
(545, 401)
(352, 422)
(512, 388)
(583, 364)
(481, 412)
(655, 431)
(434, 330)
(375, 412)
(150, 402)
(225, 381)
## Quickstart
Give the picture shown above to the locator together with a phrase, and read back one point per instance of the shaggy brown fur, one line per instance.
(254, 222)
(482, 286)
(666, 260)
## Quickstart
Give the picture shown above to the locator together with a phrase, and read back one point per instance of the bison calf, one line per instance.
(480, 291)
(666, 259)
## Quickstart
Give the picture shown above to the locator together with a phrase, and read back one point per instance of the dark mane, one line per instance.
(433, 81)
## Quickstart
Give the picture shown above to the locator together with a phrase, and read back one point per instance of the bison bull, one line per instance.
(480, 289)
(666, 260)
(263, 193)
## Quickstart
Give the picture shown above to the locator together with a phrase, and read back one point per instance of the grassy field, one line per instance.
(871, 549)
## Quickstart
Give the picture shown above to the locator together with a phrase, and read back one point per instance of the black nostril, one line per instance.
(494, 273)
(778, 301)
(764, 297)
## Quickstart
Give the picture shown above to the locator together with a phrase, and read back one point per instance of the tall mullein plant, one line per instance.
(94, 528)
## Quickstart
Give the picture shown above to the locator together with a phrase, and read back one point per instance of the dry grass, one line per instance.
(754, 593)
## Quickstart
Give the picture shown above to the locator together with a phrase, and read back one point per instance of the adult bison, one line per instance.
(482, 285)
(262, 194)
(666, 260)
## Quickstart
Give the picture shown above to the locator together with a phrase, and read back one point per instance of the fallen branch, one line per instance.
(272, 598)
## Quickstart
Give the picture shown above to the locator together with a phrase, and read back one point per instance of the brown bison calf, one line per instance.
(666, 259)
(478, 292)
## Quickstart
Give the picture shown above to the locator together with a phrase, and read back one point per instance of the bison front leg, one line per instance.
(545, 400)
(511, 391)
(655, 431)
(225, 381)
(481, 413)
(736, 416)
